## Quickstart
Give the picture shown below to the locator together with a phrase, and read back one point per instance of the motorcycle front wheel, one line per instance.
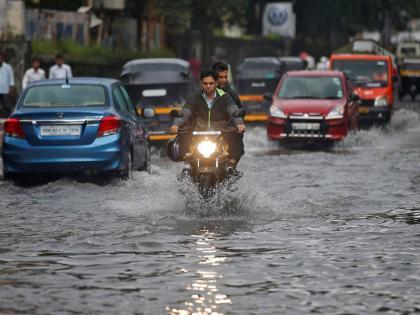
(206, 185)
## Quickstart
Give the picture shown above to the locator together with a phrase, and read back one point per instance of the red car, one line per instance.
(312, 106)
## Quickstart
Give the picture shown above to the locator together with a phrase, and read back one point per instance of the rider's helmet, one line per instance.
(172, 149)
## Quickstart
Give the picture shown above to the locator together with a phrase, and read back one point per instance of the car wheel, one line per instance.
(7, 176)
(127, 171)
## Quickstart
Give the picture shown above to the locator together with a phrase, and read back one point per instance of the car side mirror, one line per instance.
(240, 113)
(268, 97)
(148, 112)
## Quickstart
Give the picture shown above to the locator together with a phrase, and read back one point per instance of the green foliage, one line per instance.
(181, 15)
(93, 53)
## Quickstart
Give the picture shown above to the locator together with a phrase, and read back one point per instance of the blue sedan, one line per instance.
(81, 125)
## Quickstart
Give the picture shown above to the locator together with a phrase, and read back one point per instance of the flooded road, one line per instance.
(304, 231)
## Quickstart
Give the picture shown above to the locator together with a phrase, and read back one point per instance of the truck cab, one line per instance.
(372, 79)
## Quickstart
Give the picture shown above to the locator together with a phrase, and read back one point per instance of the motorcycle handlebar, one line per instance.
(222, 131)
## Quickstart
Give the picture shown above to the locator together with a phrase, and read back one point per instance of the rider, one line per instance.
(237, 140)
(209, 108)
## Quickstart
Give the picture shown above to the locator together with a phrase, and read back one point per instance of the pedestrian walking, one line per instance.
(60, 70)
(35, 73)
(7, 86)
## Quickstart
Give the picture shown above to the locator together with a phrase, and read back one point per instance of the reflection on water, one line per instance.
(205, 295)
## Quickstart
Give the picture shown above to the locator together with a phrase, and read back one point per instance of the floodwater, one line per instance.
(303, 232)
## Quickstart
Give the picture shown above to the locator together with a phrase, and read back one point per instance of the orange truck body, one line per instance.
(376, 99)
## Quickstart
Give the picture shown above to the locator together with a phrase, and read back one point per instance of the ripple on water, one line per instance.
(302, 231)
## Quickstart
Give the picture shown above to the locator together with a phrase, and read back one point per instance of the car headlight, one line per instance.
(336, 113)
(207, 148)
(277, 112)
(381, 101)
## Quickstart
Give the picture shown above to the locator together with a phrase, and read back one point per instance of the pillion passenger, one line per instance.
(222, 71)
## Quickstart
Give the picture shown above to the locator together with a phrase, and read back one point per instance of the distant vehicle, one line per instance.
(410, 78)
(312, 106)
(291, 63)
(161, 83)
(83, 125)
(406, 50)
(372, 77)
(254, 78)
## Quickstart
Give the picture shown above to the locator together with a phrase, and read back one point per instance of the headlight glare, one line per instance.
(277, 112)
(207, 148)
(381, 101)
(336, 113)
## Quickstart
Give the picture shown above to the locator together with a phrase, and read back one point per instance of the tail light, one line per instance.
(13, 128)
(109, 125)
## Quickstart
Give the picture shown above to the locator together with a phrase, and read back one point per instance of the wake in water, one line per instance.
(381, 137)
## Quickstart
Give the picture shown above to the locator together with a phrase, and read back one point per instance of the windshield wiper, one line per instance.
(331, 98)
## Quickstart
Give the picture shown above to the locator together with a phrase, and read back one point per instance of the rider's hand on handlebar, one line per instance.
(173, 129)
(241, 128)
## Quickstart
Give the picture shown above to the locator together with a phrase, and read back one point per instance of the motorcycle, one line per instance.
(206, 164)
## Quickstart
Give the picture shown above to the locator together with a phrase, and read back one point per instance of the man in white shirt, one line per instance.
(60, 70)
(33, 74)
(7, 84)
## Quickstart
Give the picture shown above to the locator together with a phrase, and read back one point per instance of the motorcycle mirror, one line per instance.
(240, 113)
(175, 113)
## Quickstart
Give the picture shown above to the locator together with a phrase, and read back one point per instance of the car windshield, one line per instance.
(408, 50)
(311, 87)
(160, 95)
(411, 66)
(364, 72)
(65, 95)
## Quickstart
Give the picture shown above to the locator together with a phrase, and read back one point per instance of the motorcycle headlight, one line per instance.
(336, 113)
(207, 148)
(381, 101)
(277, 112)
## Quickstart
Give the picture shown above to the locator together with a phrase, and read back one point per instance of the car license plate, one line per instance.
(363, 110)
(305, 126)
(61, 130)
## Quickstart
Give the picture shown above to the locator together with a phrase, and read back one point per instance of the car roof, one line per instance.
(262, 59)
(76, 80)
(315, 73)
(411, 60)
(290, 59)
(360, 57)
(159, 64)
